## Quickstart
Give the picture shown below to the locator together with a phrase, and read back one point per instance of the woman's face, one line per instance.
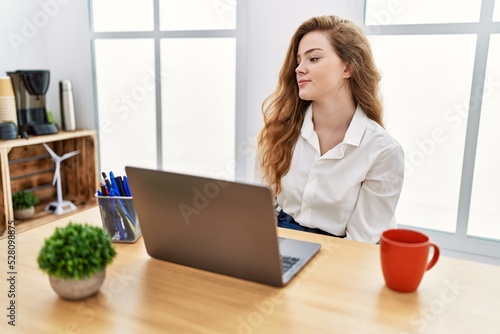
(320, 73)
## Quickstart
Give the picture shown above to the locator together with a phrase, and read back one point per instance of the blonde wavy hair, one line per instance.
(284, 111)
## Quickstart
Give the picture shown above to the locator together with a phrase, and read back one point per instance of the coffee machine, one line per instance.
(30, 88)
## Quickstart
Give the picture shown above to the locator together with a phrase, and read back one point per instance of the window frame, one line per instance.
(459, 243)
(239, 34)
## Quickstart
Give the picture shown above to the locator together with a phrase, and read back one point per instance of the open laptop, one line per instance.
(216, 225)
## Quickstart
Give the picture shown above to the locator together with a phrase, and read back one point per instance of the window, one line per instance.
(165, 84)
(496, 11)
(484, 218)
(198, 109)
(122, 15)
(125, 80)
(441, 93)
(426, 110)
(197, 15)
(385, 12)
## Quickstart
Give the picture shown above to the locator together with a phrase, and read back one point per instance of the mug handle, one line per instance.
(435, 256)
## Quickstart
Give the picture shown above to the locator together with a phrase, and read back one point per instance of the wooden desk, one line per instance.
(340, 291)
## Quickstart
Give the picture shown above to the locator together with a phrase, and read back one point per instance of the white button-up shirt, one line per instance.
(353, 189)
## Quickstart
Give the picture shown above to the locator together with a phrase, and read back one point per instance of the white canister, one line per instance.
(67, 105)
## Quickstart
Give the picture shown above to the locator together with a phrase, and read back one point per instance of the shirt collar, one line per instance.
(307, 126)
(354, 132)
(307, 130)
(356, 129)
(353, 135)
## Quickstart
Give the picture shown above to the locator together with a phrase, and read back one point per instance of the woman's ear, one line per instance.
(347, 71)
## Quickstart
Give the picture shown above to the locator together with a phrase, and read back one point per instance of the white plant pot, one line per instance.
(77, 289)
(24, 213)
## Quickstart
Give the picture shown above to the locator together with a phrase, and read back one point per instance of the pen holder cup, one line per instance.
(119, 218)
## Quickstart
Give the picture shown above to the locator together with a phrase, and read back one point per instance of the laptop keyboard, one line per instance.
(288, 262)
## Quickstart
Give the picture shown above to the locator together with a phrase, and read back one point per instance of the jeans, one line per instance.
(287, 221)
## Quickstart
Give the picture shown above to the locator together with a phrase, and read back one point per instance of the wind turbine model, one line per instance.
(60, 206)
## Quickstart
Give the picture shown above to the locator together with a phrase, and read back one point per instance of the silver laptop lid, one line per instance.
(215, 225)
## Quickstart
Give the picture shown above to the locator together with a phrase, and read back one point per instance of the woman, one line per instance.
(323, 149)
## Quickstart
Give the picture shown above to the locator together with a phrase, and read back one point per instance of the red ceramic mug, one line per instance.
(404, 255)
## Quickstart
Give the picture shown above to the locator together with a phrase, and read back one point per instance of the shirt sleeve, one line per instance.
(378, 198)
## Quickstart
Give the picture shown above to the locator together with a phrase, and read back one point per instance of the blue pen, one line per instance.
(114, 185)
(125, 185)
(116, 219)
(127, 203)
(128, 222)
(112, 192)
(122, 210)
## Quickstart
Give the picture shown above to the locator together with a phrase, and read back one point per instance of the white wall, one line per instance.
(52, 35)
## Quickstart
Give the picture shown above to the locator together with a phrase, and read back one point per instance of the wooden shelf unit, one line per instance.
(26, 165)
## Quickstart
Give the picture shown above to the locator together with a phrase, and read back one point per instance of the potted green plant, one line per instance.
(23, 203)
(75, 257)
